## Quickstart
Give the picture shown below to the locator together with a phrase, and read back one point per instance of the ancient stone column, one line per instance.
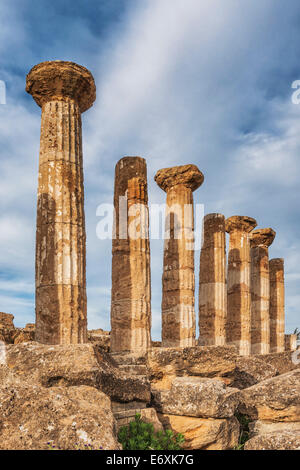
(277, 309)
(260, 241)
(63, 90)
(238, 327)
(131, 282)
(290, 342)
(178, 296)
(212, 282)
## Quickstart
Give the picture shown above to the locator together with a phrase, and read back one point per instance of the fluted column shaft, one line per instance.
(238, 326)
(60, 237)
(63, 90)
(212, 282)
(260, 241)
(131, 280)
(178, 279)
(277, 307)
(260, 300)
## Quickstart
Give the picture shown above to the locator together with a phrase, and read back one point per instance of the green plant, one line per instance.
(139, 435)
(244, 430)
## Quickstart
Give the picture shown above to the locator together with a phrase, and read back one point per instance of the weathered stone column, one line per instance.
(178, 297)
(277, 309)
(131, 281)
(260, 290)
(63, 90)
(290, 342)
(238, 327)
(212, 282)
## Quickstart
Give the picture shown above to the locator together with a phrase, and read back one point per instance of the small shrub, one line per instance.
(244, 430)
(139, 435)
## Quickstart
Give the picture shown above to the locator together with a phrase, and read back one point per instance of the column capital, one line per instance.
(186, 175)
(262, 237)
(61, 80)
(240, 223)
(277, 263)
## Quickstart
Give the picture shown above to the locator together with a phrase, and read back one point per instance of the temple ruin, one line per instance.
(68, 387)
(241, 300)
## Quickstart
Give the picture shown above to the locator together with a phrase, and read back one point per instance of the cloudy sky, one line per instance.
(178, 81)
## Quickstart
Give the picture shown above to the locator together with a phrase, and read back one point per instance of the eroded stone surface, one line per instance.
(61, 80)
(64, 90)
(6, 320)
(276, 399)
(265, 427)
(283, 361)
(187, 175)
(260, 290)
(178, 297)
(277, 305)
(71, 365)
(212, 282)
(290, 342)
(68, 418)
(198, 397)
(283, 440)
(164, 364)
(131, 283)
(238, 327)
(204, 434)
(251, 370)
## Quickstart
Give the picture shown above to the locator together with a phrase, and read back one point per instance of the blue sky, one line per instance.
(178, 82)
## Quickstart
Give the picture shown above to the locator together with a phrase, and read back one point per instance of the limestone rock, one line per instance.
(6, 320)
(198, 397)
(283, 440)
(23, 335)
(204, 434)
(290, 342)
(6, 335)
(265, 427)
(100, 338)
(252, 370)
(65, 417)
(165, 364)
(7, 327)
(281, 361)
(56, 80)
(275, 399)
(187, 175)
(72, 365)
(150, 416)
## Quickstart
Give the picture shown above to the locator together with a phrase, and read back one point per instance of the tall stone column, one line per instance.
(212, 282)
(290, 342)
(63, 90)
(260, 241)
(277, 308)
(178, 297)
(238, 328)
(131, 281)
